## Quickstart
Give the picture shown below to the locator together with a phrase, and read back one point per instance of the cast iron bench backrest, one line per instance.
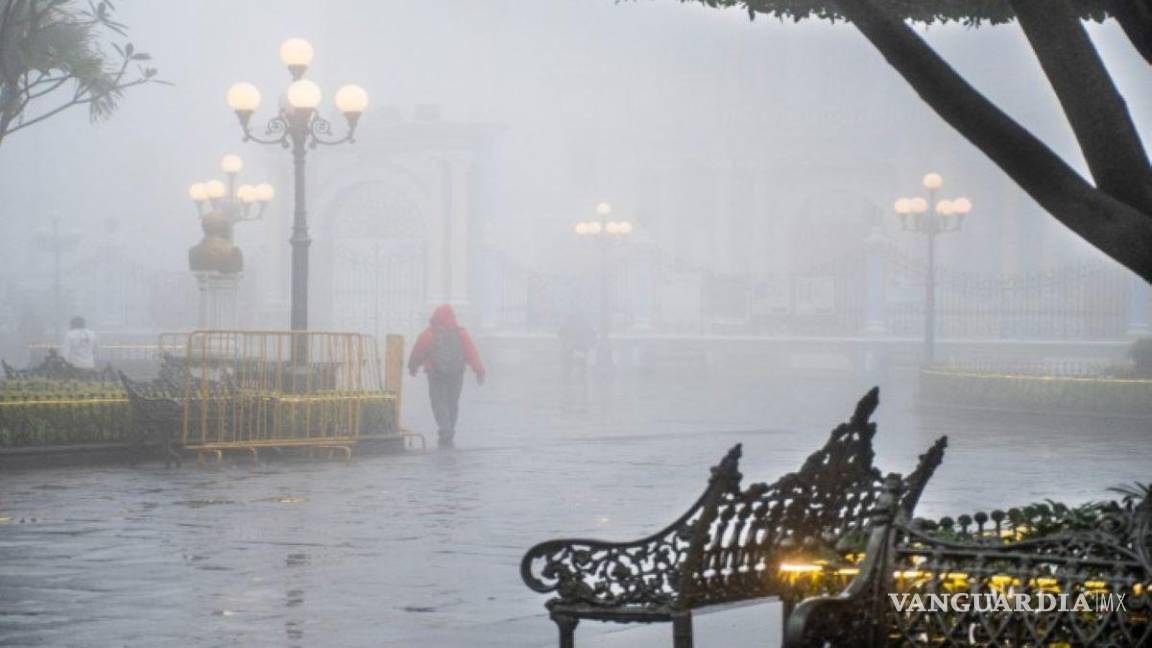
(54, 367)
(156, 415)
(727, 546)
(908, 557)
(822, 509)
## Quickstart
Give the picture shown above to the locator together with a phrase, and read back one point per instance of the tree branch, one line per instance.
(1094, 107)
(1135, 18)
(1114, 227)
(77, 100)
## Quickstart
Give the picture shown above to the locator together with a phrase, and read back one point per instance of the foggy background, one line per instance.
(738, 148)
(755, 159)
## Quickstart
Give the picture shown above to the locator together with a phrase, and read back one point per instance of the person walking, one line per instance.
(445, 350)
(80, 345)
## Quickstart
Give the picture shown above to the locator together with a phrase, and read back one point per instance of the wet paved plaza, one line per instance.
(424, 549)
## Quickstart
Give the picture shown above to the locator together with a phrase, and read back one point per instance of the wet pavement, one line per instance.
(424, 549)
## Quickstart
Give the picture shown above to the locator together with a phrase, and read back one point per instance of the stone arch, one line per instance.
(377, 233)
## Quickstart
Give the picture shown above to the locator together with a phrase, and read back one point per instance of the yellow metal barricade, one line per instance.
(253, 389)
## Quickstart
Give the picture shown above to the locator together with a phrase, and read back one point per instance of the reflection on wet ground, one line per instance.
(425, 547)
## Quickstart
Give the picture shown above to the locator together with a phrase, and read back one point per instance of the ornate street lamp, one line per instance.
(238, 203)
(602, 230)
(215, 260)
(298, 126)
(931, 217)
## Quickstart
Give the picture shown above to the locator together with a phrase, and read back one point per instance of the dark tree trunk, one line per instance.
(1116, 228)
(1097, 113)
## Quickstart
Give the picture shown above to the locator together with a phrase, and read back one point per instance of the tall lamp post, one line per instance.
(931, 218)
(298, 126)
(602, 230)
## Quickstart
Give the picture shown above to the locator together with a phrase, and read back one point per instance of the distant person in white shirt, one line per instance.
(80, 345)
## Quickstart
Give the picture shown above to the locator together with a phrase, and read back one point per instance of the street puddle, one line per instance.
(201, 503)
(284, 499)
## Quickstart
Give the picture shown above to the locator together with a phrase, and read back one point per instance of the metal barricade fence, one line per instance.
(251, 389)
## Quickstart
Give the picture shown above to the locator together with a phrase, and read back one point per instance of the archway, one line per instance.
(378, 258)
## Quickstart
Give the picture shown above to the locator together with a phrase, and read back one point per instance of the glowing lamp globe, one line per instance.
(231, 163)
(581, 228)
(604, 209)
(945, 208)
(215, 189)
(351, 99)
(198, 191)
(612, 227)
(304, 95)
(264, 192)
(962, 205)
(243, 97)
(246, 193)
(625, 227)
(933, 181)
(903, 206)
(296, 52)
(594, 227)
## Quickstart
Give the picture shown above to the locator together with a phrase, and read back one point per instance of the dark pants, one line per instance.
(444, 392)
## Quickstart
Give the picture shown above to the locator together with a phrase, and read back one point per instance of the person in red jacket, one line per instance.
(445, 349)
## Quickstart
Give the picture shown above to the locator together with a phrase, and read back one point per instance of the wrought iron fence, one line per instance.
(1082, 300)
(1078, 300)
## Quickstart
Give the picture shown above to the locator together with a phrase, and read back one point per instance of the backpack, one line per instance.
(448, 353)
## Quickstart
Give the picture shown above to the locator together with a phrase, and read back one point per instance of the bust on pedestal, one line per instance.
(217, 264)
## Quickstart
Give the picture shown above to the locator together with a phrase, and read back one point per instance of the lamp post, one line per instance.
(236, 202)
(931, 218)
(299, 127)
(602, 230)
(215, 260)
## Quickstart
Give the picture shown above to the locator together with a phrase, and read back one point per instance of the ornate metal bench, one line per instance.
(156, 417)
(54, 367)
(983, 555)
(729, 545)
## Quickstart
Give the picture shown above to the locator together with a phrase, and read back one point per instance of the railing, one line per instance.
(250, 389)
(877, 288)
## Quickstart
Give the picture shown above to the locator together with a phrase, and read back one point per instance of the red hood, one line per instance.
(443, 317)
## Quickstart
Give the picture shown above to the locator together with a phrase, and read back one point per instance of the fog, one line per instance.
(726, 141)
(764, 284)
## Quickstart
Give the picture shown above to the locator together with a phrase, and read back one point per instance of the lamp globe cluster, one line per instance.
(303, 95)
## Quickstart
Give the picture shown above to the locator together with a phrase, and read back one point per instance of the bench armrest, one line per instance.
(854, 616)
(608, 574)
(641, 572)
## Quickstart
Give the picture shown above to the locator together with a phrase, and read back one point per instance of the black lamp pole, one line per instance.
(298, 127)
(931, 218)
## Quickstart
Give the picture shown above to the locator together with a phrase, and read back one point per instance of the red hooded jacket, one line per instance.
(443, 318)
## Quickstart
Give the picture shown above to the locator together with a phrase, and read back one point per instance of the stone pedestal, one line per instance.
(218, 301)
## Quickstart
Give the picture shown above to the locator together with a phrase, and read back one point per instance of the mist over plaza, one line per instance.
(648, 230)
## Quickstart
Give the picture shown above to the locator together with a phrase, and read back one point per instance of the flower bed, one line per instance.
(40, 412)
(1037, 393)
